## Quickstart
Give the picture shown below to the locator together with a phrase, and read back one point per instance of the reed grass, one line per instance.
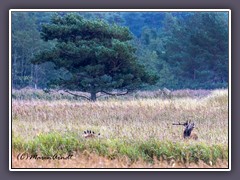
(134, 128)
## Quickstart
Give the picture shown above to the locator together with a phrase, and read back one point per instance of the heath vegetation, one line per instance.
(138, 129)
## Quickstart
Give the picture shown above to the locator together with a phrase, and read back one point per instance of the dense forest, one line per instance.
(182, 49)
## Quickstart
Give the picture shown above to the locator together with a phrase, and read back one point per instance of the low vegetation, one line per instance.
(139, 129)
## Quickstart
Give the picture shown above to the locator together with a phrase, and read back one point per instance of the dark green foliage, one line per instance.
(98, 56)
(26, 42)
(188, 51)
(196, 49)
(185, 49)
(24, 39)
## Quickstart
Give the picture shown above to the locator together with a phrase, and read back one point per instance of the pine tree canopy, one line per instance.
(97, 56)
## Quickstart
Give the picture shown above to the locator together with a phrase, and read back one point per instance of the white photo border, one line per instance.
(119, 169)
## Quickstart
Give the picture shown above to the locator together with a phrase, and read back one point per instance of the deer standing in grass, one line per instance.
(187, 133)
(90, 134)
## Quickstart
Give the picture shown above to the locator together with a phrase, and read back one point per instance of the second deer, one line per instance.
(90, 134)
(187, 133)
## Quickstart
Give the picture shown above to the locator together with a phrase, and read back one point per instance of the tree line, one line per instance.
(149, 50)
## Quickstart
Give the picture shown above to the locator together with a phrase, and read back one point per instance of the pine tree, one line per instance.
(99, 57)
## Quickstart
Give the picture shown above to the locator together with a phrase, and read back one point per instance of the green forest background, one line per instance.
(184, 49)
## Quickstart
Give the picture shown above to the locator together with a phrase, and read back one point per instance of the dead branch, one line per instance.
(182, 124)
(115, 94)
(77, 95)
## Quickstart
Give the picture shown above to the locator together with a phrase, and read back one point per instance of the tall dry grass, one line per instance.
(135, 120)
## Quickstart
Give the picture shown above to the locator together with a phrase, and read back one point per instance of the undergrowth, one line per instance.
(184, 152)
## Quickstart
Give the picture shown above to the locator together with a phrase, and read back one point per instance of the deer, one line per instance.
(90, 134)
(187, 133)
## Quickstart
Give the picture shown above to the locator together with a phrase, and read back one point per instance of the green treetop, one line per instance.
(99, 57)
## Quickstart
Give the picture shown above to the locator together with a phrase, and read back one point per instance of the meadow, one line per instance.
(135, 131)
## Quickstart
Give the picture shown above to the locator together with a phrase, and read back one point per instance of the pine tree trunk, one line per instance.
(93, 96)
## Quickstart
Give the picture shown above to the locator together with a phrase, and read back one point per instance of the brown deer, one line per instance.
(187, 133)
(90, 134)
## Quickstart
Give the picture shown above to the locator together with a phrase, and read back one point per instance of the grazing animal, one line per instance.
(90, 134)
(187, 133)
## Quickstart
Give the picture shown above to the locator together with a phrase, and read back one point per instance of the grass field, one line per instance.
(135, 132)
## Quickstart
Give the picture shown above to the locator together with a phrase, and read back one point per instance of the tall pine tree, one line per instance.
(99, 57)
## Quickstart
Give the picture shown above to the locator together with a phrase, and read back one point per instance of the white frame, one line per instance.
(116, 10)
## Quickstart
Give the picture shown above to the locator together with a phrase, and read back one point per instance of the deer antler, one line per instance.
(90, 134)
(182, 124)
